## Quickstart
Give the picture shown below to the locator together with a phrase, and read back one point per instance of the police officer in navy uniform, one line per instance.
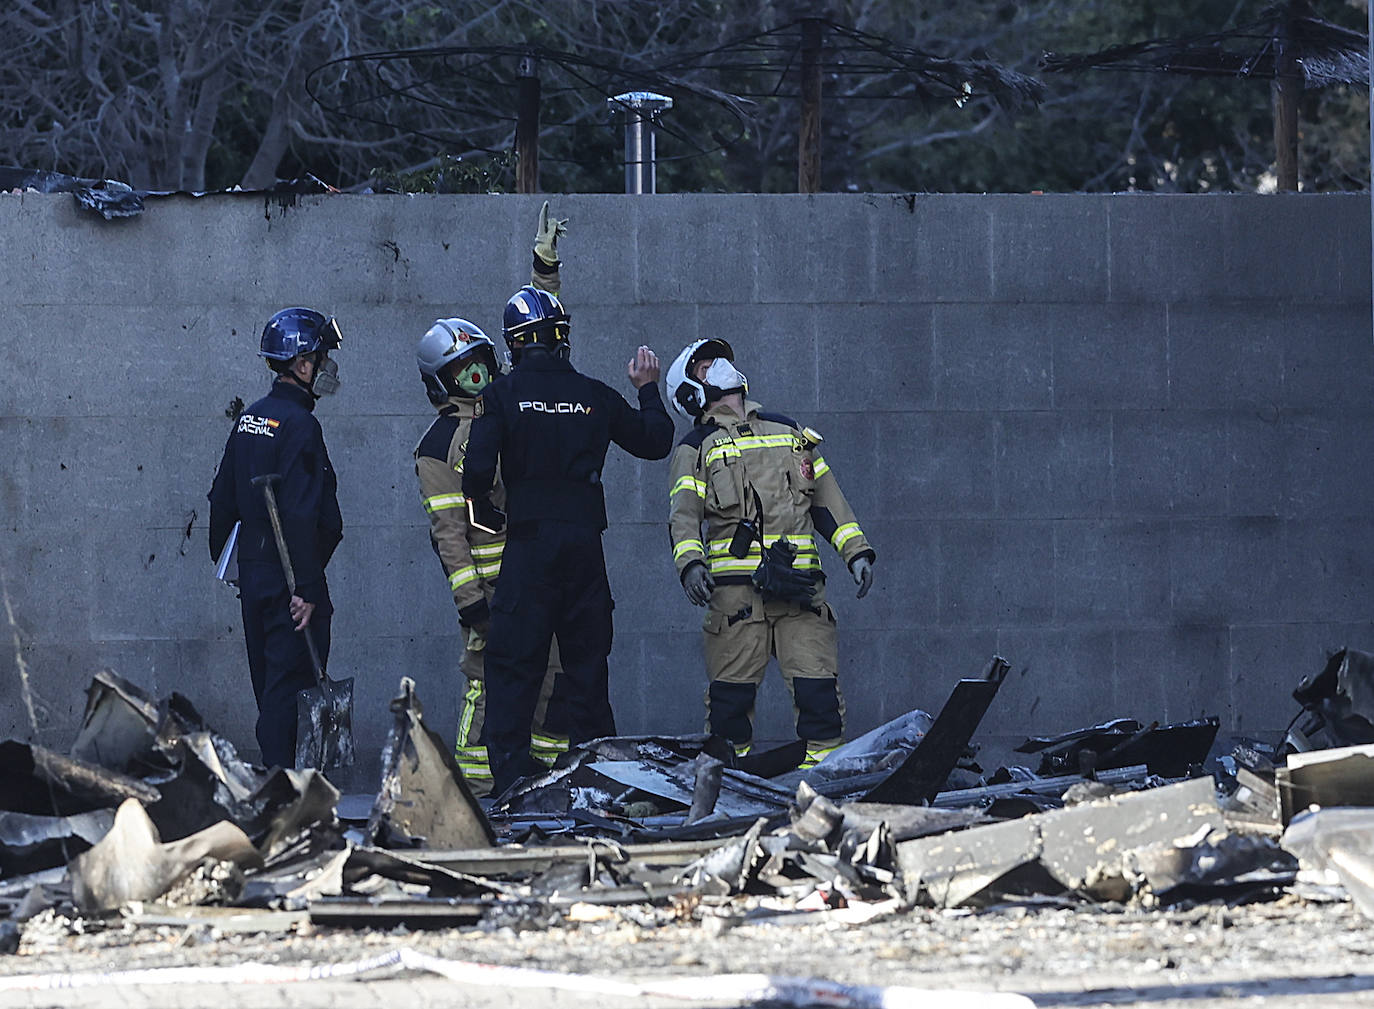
(550, 426)
(279, 434)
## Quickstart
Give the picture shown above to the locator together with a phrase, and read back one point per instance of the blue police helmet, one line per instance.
(295, 331)
(535, 316)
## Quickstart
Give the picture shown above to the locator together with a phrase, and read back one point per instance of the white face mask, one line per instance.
(723, 376)
(326, 378)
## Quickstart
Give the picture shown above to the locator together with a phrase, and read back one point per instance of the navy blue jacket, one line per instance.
(549, 426)
(279, 434)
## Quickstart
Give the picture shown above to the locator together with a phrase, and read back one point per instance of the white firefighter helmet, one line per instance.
(689, 396)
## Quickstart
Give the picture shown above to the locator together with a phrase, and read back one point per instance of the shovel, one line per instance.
(324, 712)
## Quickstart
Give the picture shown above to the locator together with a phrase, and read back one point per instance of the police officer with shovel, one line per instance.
(279, 434)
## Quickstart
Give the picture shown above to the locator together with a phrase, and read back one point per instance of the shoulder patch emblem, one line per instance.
(265, 426)
(808, 471)
(477, 408)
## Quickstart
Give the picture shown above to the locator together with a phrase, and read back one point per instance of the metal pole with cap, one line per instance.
(641, 110)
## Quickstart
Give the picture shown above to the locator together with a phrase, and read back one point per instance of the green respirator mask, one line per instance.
(473, 378)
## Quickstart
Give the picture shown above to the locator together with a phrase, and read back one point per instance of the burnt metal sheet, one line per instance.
(388, 912)
(1232, 866)
(131, 862)
(776, 760)
(1084, 845)
(291, 803)
(1167, 750)
(44, 783)
(423, 795)
(1337, 841)
(953, 869)
(1037, 786)
(119, 725)
(32, 843)
(1081, 848)
(1339, 777)
(919, 778)
(1337, 704)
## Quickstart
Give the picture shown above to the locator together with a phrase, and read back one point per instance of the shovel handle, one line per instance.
(268, 482)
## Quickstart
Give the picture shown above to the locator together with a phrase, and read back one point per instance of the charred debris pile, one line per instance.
(151, 812)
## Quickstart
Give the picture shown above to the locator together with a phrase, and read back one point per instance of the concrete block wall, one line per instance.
(1121, 440)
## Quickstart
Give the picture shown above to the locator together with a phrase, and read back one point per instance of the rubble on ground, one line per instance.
(153, 815)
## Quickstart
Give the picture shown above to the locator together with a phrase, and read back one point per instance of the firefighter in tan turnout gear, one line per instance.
(457, 361)
(748, 490)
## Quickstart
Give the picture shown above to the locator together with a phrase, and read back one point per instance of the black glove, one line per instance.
(698, 583)
(485, 516)
(777, 580)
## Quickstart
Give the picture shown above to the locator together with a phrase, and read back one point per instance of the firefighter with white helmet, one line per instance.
(457, 360)
(748, 491)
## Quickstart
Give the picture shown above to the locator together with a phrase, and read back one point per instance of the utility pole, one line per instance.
(527, 127)
(809, 135)
(1287, 87)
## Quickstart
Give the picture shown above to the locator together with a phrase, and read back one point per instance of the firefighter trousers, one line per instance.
(549, 731)
(739, 634)
(552, 585)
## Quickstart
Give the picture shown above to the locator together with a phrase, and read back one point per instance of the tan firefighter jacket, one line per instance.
(471, 557)
(717, 470)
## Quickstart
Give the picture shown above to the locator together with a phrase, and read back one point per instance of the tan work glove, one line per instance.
(546, 239)
(477, 638)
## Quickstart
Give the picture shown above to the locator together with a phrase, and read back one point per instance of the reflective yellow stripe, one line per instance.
(749, 443)
(723, 450)
(742, 749)
(733, 566)
(486, 550)
(728, 563)
(814, 757)
(820, 467)
(691, 483)
(443, 502)
(490, 570)
(808, 557)
(687, 546)
(462, 576)
(547, 749)
(472, 760)
(468, 713)
(845, 533)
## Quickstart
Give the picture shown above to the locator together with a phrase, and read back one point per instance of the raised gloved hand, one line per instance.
(551, 229)
(698, 583)
(862, 570)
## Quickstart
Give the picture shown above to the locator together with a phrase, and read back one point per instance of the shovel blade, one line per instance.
(324, 725)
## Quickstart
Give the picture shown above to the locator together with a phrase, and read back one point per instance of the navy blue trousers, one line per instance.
(278, 660)
(552, 584)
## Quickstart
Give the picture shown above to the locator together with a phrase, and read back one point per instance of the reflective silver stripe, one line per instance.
(463, 576)
(845, 533)
(686, 547)
(689, 483)
(443, 502)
